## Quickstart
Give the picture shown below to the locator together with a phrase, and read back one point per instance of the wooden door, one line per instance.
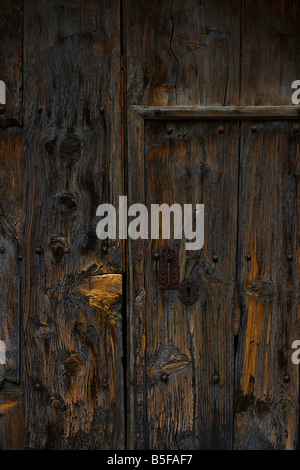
(11, 184)
(70, 391)
(185, 382)
(205, 90)
(165, 101)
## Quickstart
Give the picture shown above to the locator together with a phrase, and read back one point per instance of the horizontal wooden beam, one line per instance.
(218, 112)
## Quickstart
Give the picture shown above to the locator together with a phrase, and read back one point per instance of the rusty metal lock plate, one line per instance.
(168, 267)
(188, 292)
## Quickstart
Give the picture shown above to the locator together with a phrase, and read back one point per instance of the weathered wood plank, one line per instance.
(182, 53)
(11, 219)
(10, 237)
(11, 61)
(267, 382)
(10, 184)
(186, 60)
(270, 45)
(11, 420)
(218, 112)
(176, 54)
(194, 164)
(72, 324)
(136, 294)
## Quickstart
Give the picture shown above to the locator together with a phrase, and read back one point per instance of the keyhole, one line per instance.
(188, 292)
(169, 268)
(169, 274)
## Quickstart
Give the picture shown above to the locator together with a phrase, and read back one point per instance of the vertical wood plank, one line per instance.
(182, 53)
(72, 323)
(267, 395)
(11, 420)
(10, 184)
(11, 61)
(137, 427)
(270, 51)
(177, 53)
(10, 239)
(191, 345)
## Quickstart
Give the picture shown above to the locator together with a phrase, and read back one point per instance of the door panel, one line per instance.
(180, 56)
(168, 102)
(197, 163)
(270, 43)
(11, 216)
(72, 323)
(267, 380)
(10, 251)
(11, 226)
(182, 52)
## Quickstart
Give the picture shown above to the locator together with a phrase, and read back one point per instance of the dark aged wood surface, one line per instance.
(10, 182)
(12, 426)
(11, 403)
(10, 240)
(11, 60)
(270, 45)
(182, 53)
(135, 321)
(267, 382)
(195, 164)
(189, 55)
(61, 142)
(218, 112)
(72, 321)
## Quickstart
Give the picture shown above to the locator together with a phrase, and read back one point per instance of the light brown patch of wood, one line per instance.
(101, 290)
(7, 406)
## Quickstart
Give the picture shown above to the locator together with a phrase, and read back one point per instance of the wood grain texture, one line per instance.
(11, 61)
(229, 380)
(10, 184)
(182, 53)
(11, 217)
(174, 56)
(11, 220)
(202, 60)
(270, 46)
(212, 53)
(267, 393)
(195, 164)
(72, 326)
(218, 112)
(12, 429)
(136, 333)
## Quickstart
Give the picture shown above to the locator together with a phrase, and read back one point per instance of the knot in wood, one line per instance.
(44, 331)
(164, 378)
(73, 364)
(56, 405)
(215, 379)
(67, 203)
(70, 149)
(58, 247)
